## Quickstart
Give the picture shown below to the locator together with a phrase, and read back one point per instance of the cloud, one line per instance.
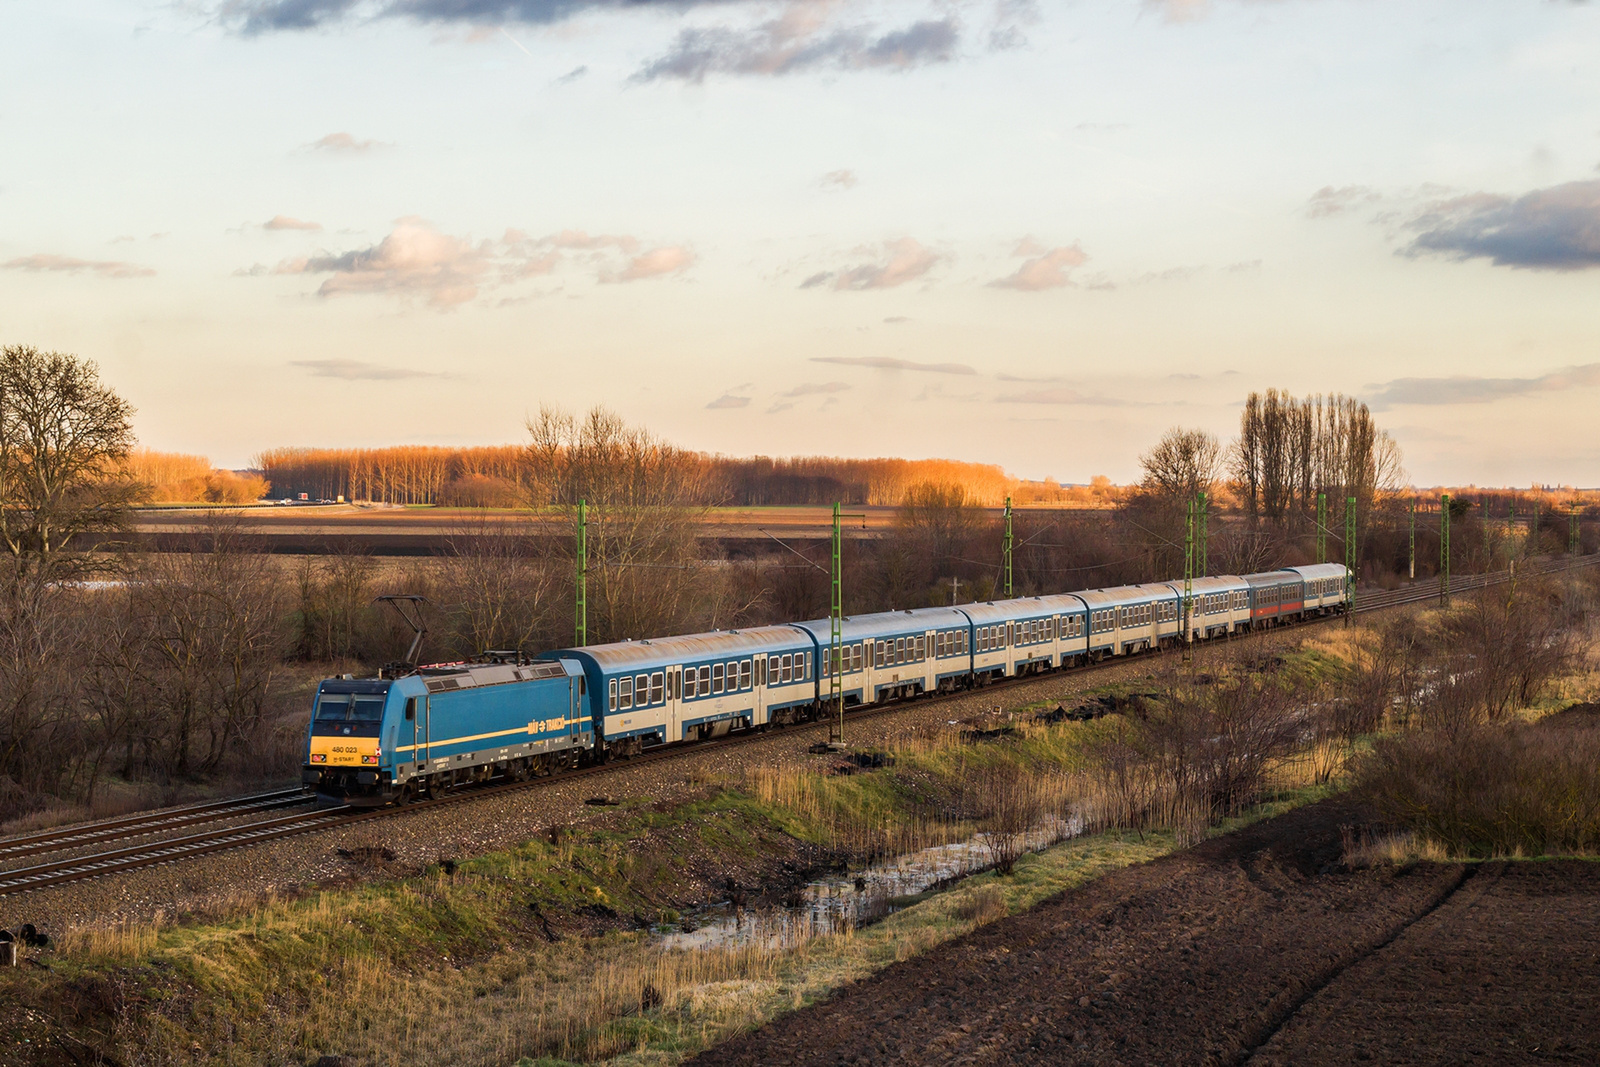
(356, 370)
(727, 401)
(44, 261)
(572, 75)
(1061, 395)
(798, 40)
(1548, 229)
(899, 262)
(265, 16)
(284, 222)
(817, 388)
(1048, 269)
(656, 263)
(1464, 389)
(895, 320)
(416, 260)
(1330, 201)
(844, 179)
(344, 142)
(1011, 19)
(890, 363)
(413, 260)
(1024, 378)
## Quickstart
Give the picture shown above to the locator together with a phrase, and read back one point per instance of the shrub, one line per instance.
(1483, 790)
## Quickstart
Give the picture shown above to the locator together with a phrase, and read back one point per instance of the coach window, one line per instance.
(658, 688)
(612, 700)
(705, 681)
(641, 689)
(899, 650)
(688, 683)
(744, 674)
(624, 693)
(716, 678)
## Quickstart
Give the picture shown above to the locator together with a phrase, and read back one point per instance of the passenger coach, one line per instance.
(655, 692)
(1131, 618)
(893, 654)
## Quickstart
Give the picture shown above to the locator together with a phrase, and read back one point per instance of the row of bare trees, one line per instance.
(511, 475)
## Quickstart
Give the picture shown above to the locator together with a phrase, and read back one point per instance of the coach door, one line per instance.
(758, 690)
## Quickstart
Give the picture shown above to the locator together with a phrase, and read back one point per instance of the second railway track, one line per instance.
(155, 853)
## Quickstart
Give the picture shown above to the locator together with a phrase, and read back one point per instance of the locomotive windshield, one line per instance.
(350, 707)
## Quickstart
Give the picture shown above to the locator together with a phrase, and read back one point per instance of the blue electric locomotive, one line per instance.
(376, 740)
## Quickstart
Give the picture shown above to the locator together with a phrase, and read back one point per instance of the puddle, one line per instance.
(840, 902)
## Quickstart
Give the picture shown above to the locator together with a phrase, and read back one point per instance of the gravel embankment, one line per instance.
(416, 837)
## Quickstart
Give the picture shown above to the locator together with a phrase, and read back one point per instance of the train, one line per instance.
(394, 739)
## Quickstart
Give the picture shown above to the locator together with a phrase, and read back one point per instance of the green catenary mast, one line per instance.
(1188, 581)
(1413, 540)
(1444, 549)
(836, 636)
(1007, 548)
(1349, 558)
(581, 614)
(1205, 521)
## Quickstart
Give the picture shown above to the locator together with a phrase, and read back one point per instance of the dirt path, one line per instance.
(1255, 941)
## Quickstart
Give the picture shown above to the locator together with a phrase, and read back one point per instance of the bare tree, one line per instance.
(208, 641)
(493, 587)
(1182, 464)
(62, 437)
(644, 510)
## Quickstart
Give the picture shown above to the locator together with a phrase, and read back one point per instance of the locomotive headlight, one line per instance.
(369, 759)
(319, 757)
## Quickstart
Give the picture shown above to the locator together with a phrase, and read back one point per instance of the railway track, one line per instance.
(134, 857)
(132, 826)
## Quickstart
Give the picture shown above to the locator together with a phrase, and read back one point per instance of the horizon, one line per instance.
(1012, 233)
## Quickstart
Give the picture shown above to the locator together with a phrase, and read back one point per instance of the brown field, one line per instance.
(1258, 947)
(394, 529)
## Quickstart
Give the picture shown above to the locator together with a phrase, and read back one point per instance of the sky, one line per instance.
(1036, 233)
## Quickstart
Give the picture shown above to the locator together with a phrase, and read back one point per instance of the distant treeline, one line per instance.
(505, 476)
(165, 477)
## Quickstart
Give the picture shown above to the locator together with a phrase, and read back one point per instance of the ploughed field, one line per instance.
(1258, 947)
